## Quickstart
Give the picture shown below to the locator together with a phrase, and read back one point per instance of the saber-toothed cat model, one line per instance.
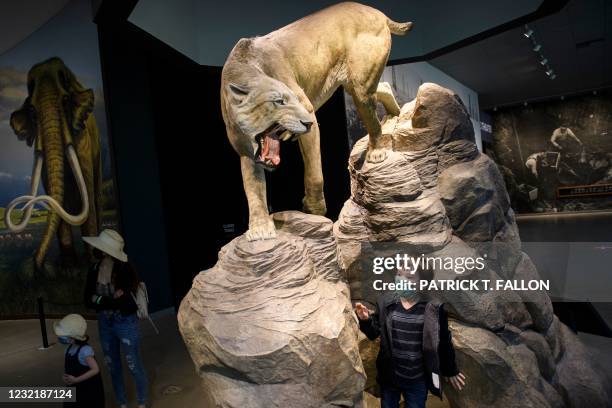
(272, 85)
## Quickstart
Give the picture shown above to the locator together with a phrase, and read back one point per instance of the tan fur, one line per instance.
(345, 45)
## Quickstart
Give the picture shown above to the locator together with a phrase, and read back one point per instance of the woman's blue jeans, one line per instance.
(120, 335)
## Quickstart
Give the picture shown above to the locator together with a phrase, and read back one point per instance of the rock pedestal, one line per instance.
(437, 193)
(271, 324)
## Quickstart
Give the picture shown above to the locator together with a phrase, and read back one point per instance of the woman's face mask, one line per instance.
(405, 291)
(64, 339)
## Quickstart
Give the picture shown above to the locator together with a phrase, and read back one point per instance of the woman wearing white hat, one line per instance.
(109, 289)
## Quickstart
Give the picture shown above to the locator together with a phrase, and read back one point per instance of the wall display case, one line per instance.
(556, 155)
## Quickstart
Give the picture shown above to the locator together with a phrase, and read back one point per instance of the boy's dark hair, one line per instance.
(426, 274)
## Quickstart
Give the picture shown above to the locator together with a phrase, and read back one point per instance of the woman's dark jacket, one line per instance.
(125, 304)
(438, 351)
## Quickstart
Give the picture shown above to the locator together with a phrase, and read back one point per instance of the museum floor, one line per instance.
(173, 380)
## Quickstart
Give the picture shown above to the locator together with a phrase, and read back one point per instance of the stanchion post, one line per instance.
(43, 323)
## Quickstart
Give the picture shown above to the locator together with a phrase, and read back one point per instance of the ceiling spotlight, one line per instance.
(528, 33)
(544, 61)
(550, 72)
(553, 76)
(537, 47)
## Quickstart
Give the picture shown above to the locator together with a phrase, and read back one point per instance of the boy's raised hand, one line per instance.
(362, 312)
(457, 381)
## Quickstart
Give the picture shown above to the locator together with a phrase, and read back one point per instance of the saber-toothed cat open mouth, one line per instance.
(268, 146)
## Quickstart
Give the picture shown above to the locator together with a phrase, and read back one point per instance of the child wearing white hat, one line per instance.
(80, 367)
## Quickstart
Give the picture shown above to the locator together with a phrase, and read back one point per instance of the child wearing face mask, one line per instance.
(80, 367)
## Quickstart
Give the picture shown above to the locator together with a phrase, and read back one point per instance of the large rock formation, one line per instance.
(271, 324)
(437, 194)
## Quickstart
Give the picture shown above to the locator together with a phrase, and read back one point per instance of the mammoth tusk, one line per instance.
(49, 202)
(28, 211)
(76, 169)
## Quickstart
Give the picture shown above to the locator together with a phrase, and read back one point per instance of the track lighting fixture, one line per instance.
(530, 34)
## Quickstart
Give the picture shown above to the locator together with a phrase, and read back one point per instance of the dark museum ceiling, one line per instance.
(502, 69)
(19, 19)
(505, 70)
(206, 31)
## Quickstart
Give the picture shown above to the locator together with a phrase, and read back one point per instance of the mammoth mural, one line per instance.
(56, 118)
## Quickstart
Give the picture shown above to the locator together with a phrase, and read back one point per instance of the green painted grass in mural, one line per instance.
(38, 216)
(61, 286)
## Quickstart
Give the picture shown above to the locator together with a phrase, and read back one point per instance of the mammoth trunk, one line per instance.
(51, 128)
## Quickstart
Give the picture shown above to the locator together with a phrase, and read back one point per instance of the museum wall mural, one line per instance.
(56, 181)
(556, 155)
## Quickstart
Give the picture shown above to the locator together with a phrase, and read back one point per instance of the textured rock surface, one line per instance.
(436, 190)
(368, 351)
(271, 325)
(370, 401)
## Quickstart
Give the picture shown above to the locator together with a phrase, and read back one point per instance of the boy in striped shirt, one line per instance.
(415, 346)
